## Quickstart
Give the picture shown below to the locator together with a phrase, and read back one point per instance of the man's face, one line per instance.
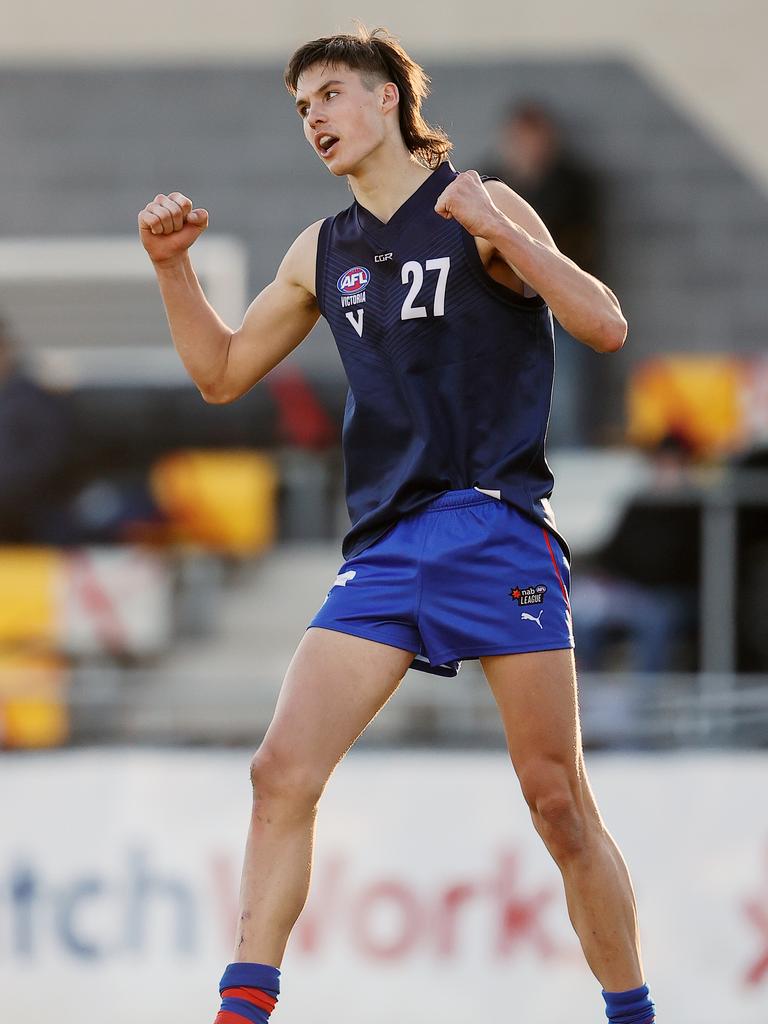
(343, 120)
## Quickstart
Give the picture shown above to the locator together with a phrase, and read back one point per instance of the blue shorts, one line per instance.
(464, 576)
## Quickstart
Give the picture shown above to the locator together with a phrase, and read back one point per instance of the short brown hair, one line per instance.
(379, 57)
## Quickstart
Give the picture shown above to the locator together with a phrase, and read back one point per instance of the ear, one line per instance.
(389, 96)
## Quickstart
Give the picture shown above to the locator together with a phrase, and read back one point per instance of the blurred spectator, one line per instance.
(641, 586)
(752, 589)
(43, 499)
(531, 157)
(35, 448)
(302, 420)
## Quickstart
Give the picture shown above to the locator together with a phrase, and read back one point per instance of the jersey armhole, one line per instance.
(528, 293)
(323, 239)
(500, 291)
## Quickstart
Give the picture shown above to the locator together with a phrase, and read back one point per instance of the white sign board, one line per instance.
(433, 899)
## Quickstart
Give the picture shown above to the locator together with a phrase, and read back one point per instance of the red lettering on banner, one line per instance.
(520, 912)
(404, 937)
(452, 899)
(757, 912)
(392, 918)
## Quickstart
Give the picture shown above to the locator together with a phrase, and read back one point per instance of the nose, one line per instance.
(314, 117)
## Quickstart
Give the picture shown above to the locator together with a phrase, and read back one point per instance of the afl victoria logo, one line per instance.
(353, 280)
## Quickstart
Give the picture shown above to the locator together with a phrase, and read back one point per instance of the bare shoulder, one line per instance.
(298, 265)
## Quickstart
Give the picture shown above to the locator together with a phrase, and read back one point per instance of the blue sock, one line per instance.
(248, 994)
(631, 1007)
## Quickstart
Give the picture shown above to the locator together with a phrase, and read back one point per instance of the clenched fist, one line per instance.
(168, 226)
(467, 201)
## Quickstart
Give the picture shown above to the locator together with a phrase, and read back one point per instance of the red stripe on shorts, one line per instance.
(557, 568)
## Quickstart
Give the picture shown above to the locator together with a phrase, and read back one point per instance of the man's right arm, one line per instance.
(223, 363)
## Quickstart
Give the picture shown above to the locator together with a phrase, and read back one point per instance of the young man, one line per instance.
(438, 289)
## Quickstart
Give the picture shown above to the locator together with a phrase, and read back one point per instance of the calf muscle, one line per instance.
(334, 686)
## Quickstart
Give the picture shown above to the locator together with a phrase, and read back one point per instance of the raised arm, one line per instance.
(225, 363)
(585, 307)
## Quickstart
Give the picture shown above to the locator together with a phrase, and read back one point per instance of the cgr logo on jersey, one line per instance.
(353, 280)
(529, 595)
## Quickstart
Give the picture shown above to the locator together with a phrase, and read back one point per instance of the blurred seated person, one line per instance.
(641, 587)
(36, 444)
(43, 496)
(752, 590)
(530, 156)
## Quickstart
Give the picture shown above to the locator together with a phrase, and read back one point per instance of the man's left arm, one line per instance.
(584, 306)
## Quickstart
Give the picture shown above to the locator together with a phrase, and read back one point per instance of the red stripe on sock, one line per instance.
(251, 995)
(557, 569)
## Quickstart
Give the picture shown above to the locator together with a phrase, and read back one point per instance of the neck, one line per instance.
(384, 181)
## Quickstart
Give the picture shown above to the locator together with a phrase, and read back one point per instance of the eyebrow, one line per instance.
(322, 88)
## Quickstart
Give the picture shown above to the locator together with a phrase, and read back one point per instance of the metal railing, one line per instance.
(660, 710)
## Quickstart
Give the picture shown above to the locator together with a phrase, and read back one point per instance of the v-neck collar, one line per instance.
(428, 191)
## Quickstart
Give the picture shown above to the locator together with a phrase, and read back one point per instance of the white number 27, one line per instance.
(412, 272)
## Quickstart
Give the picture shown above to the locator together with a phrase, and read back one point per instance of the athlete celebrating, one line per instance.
(438, 289)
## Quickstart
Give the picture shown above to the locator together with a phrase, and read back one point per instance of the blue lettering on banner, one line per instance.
(146, 906)
(139, 913)
(145, 890)
(69, 902)
(23, 892)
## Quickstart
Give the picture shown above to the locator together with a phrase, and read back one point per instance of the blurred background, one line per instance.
(160, 557)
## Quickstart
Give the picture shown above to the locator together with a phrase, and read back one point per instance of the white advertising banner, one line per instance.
(433, 900)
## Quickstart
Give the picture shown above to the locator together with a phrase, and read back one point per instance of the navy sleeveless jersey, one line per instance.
(450, 373)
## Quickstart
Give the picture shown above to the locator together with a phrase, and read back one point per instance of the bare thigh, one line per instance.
(537, 697)
(335, 685)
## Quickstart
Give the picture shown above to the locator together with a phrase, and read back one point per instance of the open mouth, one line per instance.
(326, 144)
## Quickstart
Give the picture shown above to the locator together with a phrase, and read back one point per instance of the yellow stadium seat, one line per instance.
(697, 398)
(221, 500)
(28, 596)
(33, 700)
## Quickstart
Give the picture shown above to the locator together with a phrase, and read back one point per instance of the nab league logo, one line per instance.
(529, 595)
(353, 280)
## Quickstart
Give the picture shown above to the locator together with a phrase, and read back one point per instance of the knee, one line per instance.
(277, 779)
(559, 808)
